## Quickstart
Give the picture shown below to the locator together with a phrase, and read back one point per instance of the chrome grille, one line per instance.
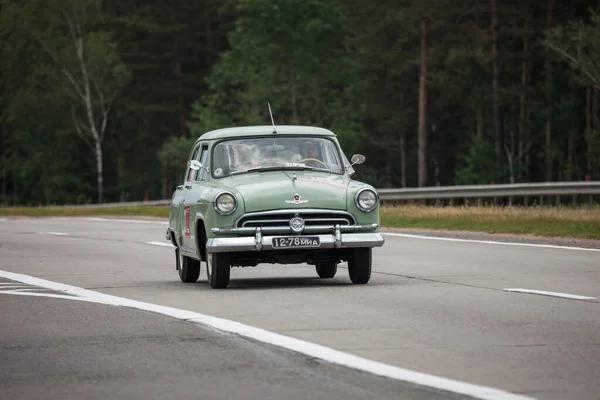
(282, 218)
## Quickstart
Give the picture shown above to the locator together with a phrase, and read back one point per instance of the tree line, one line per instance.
(100, 100)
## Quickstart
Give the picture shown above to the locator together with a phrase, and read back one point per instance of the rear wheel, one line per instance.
(359, 266)
(326, 269)
(218, 269)
(189, 269)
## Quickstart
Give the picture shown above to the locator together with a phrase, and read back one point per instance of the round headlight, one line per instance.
(366, 200)
(225, 203)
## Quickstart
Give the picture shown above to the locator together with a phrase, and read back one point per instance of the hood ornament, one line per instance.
(293, 178)
(296, 199)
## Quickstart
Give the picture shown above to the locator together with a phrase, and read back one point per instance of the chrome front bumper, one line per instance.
(338, 239)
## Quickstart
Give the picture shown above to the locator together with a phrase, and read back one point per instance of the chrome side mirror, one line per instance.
(194, 164)
(358, 159)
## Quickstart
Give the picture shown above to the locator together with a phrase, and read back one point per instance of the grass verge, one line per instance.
(583, 223)
(151, 211)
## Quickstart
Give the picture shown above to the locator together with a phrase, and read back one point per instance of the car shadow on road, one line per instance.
(284, 282)
(275, 282)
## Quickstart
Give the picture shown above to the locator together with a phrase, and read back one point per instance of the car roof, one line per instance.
(262, 130)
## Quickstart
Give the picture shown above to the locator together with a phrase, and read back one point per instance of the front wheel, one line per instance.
(218, 269)
(189, 269)
(359, 265)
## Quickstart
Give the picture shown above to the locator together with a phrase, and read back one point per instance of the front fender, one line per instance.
(362, 217)
(203, 211)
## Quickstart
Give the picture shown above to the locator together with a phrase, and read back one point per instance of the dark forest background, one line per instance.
(100, 100)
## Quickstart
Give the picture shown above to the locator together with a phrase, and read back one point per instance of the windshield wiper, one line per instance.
(319, 169)
(244, 171)
(280, 167)
(255, 169)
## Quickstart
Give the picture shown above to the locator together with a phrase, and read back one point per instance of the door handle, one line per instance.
(180, 187)
(188, 186)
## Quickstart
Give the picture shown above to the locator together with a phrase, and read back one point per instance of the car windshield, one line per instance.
(243, 155)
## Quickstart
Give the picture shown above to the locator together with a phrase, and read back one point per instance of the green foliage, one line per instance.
(174, 70)
(175, 151)
(577, 42)
(592, 140)
(73, 76)
(297, 64)
(479, 166)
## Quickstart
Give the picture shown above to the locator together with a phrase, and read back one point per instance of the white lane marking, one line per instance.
(21, 289)
(57, 296)
(300, 346)
(160, 244)
(54, 233)
(135, 221)
(550, 246)
(553, 294)
(14, 286)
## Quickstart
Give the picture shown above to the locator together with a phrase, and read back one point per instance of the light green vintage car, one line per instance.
(272, 194)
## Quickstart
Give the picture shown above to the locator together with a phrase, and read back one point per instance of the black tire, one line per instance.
(189, 269)
(359, 266)
(218, 269)
(326, 269)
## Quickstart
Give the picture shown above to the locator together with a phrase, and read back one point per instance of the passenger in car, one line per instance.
(268, 158)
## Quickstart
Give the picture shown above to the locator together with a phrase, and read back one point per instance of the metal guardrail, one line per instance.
(491, 191)
(550, 189)
(165, 202)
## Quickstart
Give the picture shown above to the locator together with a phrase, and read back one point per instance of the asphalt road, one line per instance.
(61, 349)
(435, 306)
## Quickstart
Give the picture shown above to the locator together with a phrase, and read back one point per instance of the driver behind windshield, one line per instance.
(309, 150)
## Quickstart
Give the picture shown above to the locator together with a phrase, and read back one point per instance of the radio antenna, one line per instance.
(272, 121)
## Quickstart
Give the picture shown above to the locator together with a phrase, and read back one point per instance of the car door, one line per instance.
(178, 200)
(192, 191)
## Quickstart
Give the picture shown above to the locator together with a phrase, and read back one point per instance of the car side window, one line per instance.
(190, 173)
(201, 173)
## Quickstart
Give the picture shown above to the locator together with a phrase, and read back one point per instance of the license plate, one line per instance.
(296, 242)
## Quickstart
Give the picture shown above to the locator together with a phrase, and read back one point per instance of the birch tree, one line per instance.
(85, 67)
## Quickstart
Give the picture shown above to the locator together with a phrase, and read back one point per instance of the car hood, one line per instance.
(275, 190)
